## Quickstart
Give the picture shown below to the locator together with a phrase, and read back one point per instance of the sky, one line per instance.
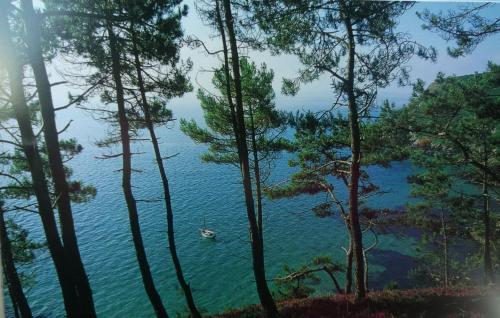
(318, 95)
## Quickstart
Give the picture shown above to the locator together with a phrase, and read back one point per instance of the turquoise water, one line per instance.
(219, 272)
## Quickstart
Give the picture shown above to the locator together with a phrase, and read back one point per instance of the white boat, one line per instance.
(206, 233)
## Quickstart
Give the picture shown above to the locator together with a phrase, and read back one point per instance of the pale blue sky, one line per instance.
(319, 94)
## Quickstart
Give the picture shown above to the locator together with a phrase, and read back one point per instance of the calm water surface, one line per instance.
(219, 272)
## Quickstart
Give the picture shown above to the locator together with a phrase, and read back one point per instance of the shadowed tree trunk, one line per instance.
(33, 26)
(348, 272)
(12, 279)
(257, 244)
(135, 228)
(256, 168)
(225, 50)
(40, 187)
(445, 249)
(356, 235)
(334, 280)
(488, 263)
(166, 189)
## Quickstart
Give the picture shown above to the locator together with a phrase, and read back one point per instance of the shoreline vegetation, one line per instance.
(425, 302)
(128, 55)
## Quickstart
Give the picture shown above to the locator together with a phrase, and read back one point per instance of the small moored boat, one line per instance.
(206, 233)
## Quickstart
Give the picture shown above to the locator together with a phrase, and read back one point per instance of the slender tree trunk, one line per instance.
(15, 309)
(56, 165)
(256, 168)
(220, 26)
(13, 282)
(334, 280)
(29, 143)
(257, 244)
(488, 263)
(135, 228)
(445, 249)
(365, 261)
(348, 272)
(166, 189)
(355, 160)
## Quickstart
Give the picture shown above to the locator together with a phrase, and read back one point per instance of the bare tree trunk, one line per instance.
(334, 280)
(357, 235)
(33, 26)
(15, 308)
(348, 272)
(135, 228)
(488, 263)
(365, 260)
(257, 244)
(445, 249)
(29, 144)
(256, 168)
(13, 282)
(166, 189)
(220, 26)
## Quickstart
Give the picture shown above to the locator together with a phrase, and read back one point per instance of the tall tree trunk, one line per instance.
(348, 272)
(166, 189)
(33, 26)
(355, 159)
(334, 280)
(220, 26)
(256, 168)
(257, 244)
(13, 281)
(445, 249)
(365, 261)
(29, 144)
(15, 308)
(488, 263)
(135, 228)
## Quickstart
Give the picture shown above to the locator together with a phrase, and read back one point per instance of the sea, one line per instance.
(218, 271)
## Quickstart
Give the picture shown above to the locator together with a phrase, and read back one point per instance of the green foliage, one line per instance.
(23, 249)
(295, 287)
(456, 121)
(382, 142)
(452, 138)
(152, 29)
(317, 33)
(19, 195)
(20, 188)
(467, 26)
(439, 215)
(297, 282)
(262, 121)
(321, 145)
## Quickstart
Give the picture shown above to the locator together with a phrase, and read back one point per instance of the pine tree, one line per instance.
(320, 143)
(29, 145)
(37, 61)
(453, 125)
(154, 52)
(467, 26)
(357, 45)
(439, 215)
(222, 17)
(101, 40)
(264, 123)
